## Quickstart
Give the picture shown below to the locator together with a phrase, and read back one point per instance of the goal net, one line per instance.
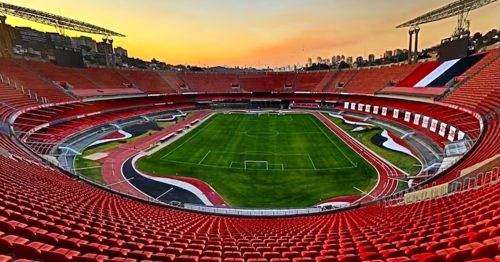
(253, 164)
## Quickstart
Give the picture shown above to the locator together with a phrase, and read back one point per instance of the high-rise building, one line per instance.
(359, 60)
(371, 58)
(319, 60)
(388, 54)
(348, 60)
(309, 61)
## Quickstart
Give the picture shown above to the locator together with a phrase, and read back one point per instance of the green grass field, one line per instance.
(266, 161)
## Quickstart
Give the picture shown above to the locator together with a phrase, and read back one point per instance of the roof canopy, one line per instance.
(452, 9)
(55, 20)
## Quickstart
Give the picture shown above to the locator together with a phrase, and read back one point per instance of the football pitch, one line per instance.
(266, 160)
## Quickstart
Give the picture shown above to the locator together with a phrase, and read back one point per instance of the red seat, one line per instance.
(7, 242)
(31, 251)
(184, 258)
(210, 259)
(4, 258)
(60, 254)
(89, 258)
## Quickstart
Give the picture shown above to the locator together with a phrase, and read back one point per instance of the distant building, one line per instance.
(55, 40)
(309, 61)
(319, 60)
(397, 52)
(388, 54)
(84, 43)
(31, 38)
(121, 52)
(359, 60)
(348, 60)
(371, 58)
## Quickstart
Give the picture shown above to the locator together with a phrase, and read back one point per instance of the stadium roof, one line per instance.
(452, 9)
(54, 20)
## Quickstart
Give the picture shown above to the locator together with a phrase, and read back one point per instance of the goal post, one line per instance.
(254, 164)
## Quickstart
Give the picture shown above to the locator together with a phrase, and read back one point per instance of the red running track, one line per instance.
(387, 173)
(112, 164)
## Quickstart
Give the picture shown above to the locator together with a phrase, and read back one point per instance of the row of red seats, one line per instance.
(481, 92)
(357, 81)
(30, 80)
(369, 81)
(76, 222)
(12, 100)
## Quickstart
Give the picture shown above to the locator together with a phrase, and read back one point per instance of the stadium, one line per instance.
(340, 161)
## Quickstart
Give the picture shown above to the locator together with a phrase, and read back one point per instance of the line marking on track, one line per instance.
(166, 192)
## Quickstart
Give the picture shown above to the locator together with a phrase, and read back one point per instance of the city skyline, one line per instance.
(237, 33)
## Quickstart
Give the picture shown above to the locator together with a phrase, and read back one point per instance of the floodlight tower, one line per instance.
(459, 8)
(107, 42)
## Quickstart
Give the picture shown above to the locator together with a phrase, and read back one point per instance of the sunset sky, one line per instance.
(257, 32)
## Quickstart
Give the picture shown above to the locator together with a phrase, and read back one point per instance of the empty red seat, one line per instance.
(60, 254)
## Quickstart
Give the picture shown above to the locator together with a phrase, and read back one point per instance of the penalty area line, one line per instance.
(201, 161)
(312, 162)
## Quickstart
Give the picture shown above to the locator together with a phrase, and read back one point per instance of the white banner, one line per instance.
(416, 119)
(367, 108)
(407, 116)
(375, 110)
(434, 124)
(346, 105)
(461, 135)
(360, 107)
(451, 133)
(425, 123)
(395, 113)
(384, 111)
(353, 106)
(442, 129)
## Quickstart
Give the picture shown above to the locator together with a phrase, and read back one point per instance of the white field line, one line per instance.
(201, 161)
(335, 144)
(189, 139)
(240, 168)
(312, 162)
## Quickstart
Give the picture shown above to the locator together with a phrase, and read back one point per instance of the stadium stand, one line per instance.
(310, 81)
(47, 215)
(60, 74)
(340, 81)
(148, 81)
(175, 81)
(211, 83)
(420, 72)
(31, 81)
(479, 91)
(77, 222)
(369, 81)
